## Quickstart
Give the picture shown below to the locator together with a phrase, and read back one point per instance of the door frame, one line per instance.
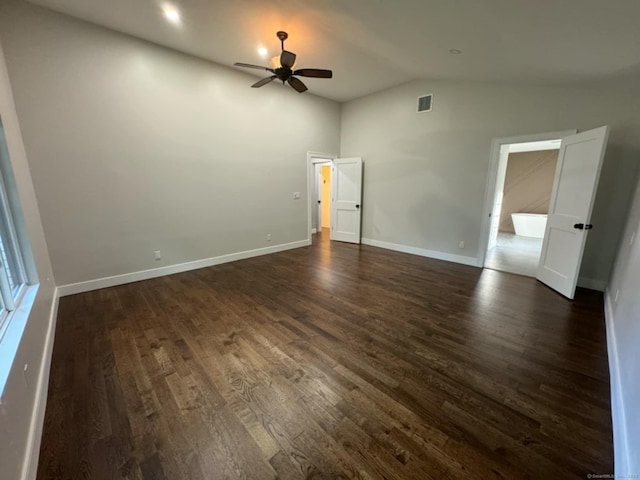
(313, 159)
(492, 178)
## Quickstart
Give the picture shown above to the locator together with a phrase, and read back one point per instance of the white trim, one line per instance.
(621, 447)
(30, 465)
(317, 157)
(313, 158)
(490, 190)
(314, 231)
(592, 283)
(105, 282)
(13, 329)
(535, 146)
(449, 257)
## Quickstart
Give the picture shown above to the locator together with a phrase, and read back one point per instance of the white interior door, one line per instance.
(346, 195)
(574, 189)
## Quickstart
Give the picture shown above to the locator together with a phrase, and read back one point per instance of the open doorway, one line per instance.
(523, 191)
(570, 207)
(519, 188)
(319, 193)
(334, 202)
(324, 203)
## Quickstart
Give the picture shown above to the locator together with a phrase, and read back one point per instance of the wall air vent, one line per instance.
(425, 102)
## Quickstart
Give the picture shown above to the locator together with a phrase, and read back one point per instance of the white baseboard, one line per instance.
(30, 465)
(105, 282)
(592, 283)
(621, 445)
(449, 257)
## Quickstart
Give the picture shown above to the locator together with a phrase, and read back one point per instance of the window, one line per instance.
(18, 274)
(13, 274)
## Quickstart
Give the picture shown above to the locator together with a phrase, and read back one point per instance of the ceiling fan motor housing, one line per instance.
(283, 73)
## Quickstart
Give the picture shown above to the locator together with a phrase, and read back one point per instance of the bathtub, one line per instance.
(529, 224)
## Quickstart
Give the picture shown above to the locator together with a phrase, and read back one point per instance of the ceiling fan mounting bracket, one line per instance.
(282, 36)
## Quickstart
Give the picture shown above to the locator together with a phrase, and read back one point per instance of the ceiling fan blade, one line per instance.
(264, 81)
(297, 84)
(248, 65)
(287, 59)
(314, 72)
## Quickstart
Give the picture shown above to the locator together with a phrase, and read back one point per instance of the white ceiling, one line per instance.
(371, 45)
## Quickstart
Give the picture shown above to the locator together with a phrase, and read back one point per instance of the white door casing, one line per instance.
(497, 207)
(574, 189)
(346, 196)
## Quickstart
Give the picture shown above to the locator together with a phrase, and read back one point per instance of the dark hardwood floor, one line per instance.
(332, 361)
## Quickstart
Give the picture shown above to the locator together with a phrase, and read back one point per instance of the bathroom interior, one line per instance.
(523, 191)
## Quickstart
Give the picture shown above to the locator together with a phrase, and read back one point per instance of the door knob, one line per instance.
(319, 201)
(357, 206)
(582, 226)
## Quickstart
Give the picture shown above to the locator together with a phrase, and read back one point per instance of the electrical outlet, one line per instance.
(461, 244)
(268, 237)
(157, 255)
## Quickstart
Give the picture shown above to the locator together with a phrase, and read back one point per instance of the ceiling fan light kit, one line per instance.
(284, 72)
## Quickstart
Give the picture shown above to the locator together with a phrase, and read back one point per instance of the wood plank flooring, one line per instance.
(327, 362)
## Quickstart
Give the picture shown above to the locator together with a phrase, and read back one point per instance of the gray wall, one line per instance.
(623, 338)
(527, 185)
(21, 394)
(135, 148)
(425, 174)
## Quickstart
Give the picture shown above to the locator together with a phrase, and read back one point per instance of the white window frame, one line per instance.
(12, 255)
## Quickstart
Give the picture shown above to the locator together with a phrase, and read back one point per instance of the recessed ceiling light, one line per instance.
(262, 52)
(172, 14)
(455, 51)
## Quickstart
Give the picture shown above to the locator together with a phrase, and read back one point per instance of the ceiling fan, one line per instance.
(284, 72)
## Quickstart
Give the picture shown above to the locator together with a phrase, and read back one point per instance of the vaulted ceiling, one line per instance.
(374, 44)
